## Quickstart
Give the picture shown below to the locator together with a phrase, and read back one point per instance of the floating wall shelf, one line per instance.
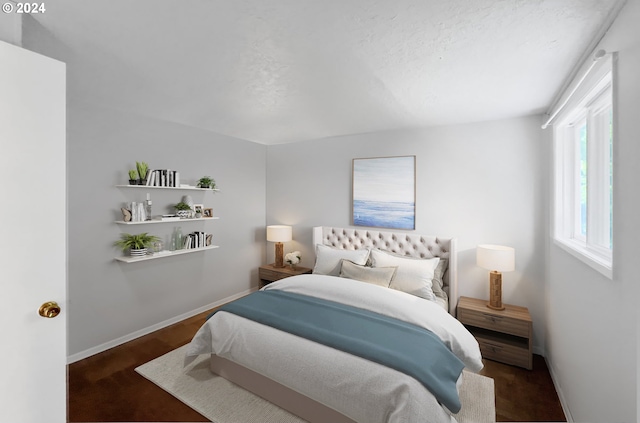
(129, 259)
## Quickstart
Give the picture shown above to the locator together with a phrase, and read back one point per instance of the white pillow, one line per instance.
(414, 276)
(329, 260)
(380, 276)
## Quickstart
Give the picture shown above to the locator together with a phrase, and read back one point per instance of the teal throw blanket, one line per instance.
(402, 346)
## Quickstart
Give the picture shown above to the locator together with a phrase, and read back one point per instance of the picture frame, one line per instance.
(384, 192)
(198, 208)
(208, 212)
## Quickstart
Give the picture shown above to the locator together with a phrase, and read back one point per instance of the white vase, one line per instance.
(188, 200)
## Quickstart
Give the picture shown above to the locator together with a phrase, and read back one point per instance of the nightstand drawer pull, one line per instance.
(493, 348)
(491, 318)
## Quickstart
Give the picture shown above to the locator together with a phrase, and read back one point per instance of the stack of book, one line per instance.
(163, 178)
(197, 240)
(138, 213)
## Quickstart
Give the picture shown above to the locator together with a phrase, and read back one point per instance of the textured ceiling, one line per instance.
(277, 71)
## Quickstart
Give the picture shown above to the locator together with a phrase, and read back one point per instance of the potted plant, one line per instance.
(206, 182)
(133, 177)
(143, 168)
(183, 210)
(136, 244)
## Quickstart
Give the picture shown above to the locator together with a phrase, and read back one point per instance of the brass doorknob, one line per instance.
(50, 309)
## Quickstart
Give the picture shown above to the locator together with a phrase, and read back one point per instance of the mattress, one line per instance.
(355, 387)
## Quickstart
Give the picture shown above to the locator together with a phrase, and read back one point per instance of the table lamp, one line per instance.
(497, 259)
(279, 234)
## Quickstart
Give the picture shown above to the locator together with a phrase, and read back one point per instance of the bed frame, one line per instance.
(407, 244)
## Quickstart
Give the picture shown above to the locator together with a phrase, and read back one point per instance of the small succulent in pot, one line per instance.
(133, 177)
(143, 168)
(206, 182)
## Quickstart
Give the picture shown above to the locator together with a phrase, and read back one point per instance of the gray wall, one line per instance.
(111, 302)
(592, 321)
(481, 183)
(11, 28)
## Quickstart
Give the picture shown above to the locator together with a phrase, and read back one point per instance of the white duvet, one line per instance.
(360, 389)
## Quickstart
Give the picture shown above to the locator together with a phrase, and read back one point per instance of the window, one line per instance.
(583, 177)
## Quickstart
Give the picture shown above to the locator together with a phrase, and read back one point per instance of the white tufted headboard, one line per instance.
(408, 244)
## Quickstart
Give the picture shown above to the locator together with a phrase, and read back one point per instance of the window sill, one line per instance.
(587, 256)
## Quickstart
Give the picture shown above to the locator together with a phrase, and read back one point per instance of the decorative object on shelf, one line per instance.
(188, 201)
(495, 258)
(197, 208)
(206, 182)
(293, 259)
(279, 234)
(183, 210)
(136, 244)
(143, 169)
(133, 177)
(147, 207)
(177, 239)
(207, 212)
(126, 214)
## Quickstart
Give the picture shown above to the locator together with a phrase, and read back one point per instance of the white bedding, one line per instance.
(358, 388)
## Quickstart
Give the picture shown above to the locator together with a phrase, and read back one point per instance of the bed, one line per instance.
(404, 277)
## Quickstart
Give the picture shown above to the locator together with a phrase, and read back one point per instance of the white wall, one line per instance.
(481, 183)
(110, 301)
(591, 320)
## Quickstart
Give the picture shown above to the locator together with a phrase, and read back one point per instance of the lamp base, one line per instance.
(279, 255)
(495, 291)
(494, 308)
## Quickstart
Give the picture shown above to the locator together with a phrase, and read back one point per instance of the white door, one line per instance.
(33, 244)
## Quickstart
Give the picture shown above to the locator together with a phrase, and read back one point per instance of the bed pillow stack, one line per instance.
(420, 277)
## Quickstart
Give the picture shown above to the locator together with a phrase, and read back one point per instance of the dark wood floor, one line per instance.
(105, 387)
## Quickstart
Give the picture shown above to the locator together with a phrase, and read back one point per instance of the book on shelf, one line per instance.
(197, 239)
(164, 178)
(167, 217)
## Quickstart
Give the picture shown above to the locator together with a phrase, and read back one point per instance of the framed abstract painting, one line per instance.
(384, 192)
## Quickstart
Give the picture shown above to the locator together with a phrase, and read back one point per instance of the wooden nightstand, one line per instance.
(504, 335)
(269, 273)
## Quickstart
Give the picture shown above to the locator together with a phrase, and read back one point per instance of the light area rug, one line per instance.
(224, 402)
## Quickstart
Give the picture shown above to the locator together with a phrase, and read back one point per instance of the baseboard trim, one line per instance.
(137, 334)
(561, 397)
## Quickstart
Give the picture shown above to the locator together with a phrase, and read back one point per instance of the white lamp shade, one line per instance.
(279, 233)
(496, 257)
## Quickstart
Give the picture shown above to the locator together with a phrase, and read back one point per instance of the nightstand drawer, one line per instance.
(491, 321)
(271, 275)
(505, 352)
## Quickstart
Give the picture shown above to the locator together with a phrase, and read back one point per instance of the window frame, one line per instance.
(595, 108)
